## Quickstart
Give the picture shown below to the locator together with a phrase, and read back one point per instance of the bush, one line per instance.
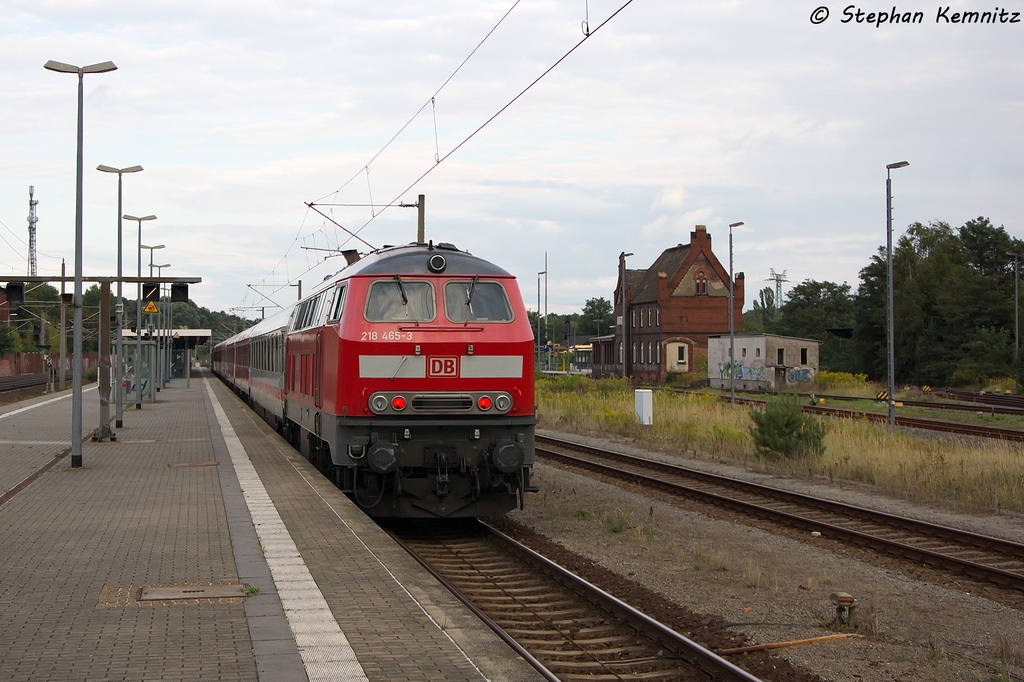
(782, 429)
(830, 380)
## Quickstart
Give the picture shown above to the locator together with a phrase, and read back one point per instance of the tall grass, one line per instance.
(951, 471)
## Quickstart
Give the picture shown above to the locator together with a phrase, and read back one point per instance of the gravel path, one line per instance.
(776, 585)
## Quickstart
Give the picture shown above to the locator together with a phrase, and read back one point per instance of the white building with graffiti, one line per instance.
(764, 362)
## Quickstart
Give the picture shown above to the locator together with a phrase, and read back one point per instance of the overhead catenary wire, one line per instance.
(284, 258)
(495, 115)
(429, 101)
(437, 158)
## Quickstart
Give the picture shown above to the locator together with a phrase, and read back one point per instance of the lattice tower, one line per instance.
(778, 278)
(32, 220)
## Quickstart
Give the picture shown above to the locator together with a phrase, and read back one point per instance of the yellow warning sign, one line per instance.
(151, 308)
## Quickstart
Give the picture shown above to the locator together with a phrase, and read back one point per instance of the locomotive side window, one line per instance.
(310, 313)
(470, 300)
(399, 300)
(339, 304)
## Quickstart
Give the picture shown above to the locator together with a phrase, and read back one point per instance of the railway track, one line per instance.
(981, 557)
(984, 403)
(1012, 435)
(568, 629)
(21, 381)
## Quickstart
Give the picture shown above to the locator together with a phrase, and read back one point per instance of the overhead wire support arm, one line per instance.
(265, 296)
(313, 206)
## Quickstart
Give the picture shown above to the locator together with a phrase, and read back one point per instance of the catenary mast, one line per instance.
(32, 220)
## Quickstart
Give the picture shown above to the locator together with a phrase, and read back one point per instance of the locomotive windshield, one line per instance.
(470, 300)
(399, 300)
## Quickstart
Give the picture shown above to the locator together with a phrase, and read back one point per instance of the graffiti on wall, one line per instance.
(742, 371)
(800, 375)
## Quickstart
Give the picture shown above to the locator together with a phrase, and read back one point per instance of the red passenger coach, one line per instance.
(407, 378)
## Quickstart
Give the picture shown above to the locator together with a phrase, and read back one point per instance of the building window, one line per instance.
(658, 315)
(634, 351)
(782, 356)
(757, 352)
(743, 352)
(658, 346)
(632, 321)
(701, 283)
(681, 354)
(803, 356)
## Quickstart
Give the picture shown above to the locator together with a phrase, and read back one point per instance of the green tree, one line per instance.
(765, 313)
(597, 318)
(949, 285)
(812, 309)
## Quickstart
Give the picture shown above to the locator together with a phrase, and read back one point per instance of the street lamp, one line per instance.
(138, 316)
(119, 386)
(891, 343)
(76, 343)
(732, 328)
(162, 340)
(1016, 324)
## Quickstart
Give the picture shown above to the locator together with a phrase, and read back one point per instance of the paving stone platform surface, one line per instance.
(163, 506)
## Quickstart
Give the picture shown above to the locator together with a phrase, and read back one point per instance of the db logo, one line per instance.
(442, 367)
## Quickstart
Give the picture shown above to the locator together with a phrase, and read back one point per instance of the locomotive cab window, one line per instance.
(339, 304)
(400, 300)
(470, 300)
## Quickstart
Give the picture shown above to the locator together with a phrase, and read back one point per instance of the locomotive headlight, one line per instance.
(379, 403)
(398, 403)
(502, 403)
(484, 402)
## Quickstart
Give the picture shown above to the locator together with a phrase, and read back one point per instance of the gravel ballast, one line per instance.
(754, 581)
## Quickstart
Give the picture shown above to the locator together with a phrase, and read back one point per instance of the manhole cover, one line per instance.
(177, 465)
(190, 592)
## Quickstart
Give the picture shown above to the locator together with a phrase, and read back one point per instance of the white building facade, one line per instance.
(764, 362)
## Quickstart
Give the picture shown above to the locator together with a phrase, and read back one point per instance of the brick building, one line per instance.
(670, 309)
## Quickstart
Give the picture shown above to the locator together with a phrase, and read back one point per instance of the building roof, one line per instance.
(669, 262)
(748, 335)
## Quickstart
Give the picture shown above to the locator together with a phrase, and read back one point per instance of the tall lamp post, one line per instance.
(732, 327)
(136, 375)
(162, 340)
(119, 385)
(1016, 323)
(890, 324)
(76, 342)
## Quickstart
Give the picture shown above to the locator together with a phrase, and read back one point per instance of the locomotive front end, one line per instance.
(434, 413)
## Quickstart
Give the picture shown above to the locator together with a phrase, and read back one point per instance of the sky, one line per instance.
(670, 114)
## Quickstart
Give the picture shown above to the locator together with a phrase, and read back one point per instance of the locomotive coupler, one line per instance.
(442, 475)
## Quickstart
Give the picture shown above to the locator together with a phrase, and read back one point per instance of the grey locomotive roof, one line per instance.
(412, 260)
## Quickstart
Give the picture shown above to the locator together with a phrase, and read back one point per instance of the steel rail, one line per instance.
(1010, 552)
(1012, 435)
(696, 655)
(994, 403)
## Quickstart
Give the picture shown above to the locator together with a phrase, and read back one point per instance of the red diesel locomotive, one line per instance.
(407, 378)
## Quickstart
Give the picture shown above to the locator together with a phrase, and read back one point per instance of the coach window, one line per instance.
(470, 300)
(400, 300)
(339, 304)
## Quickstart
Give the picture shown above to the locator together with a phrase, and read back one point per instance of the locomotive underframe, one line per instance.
(445, 466)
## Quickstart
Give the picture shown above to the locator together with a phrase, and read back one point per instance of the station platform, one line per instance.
(200, 546)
